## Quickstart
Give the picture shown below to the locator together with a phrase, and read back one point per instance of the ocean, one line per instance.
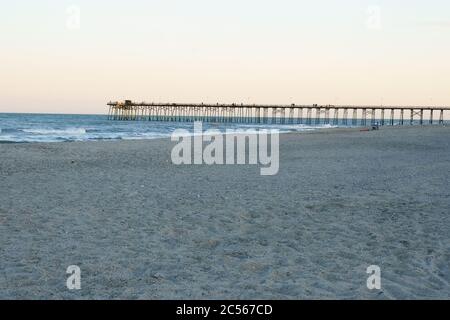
(64, 128)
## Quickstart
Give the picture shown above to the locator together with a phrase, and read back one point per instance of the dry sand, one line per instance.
(140, 227)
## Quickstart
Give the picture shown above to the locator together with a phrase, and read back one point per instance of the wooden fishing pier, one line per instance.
(277, 114)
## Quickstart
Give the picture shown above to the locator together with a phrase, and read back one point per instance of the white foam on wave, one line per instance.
(65, 132)
(145, 136)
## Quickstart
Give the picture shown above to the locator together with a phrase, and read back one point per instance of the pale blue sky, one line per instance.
(223, 51)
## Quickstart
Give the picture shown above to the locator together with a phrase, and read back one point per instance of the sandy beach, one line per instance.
(140, 227)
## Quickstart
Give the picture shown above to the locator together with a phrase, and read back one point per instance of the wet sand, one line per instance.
(140, 227)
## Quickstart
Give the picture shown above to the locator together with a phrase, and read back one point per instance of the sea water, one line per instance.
(60, 128)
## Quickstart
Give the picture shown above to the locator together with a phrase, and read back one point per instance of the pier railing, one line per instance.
(277, 114)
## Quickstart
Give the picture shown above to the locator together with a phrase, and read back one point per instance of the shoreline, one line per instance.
(308, 131)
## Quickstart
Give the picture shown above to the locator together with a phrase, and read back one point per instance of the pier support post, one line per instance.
(345, 117)
(318, 115)
(308, 116)
(364, 117)
(327, 116)
(336, 117)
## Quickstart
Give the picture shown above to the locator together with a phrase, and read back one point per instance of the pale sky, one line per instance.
(394, 52)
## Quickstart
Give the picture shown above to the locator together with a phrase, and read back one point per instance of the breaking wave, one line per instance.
(69, 131)
(61, 128)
